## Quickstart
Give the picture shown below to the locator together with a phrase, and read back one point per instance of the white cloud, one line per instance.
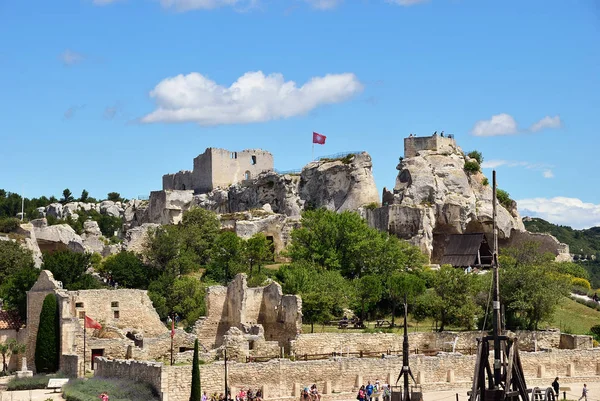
(71, 111)
(499, 124)
(252, 98)
(406, 2)
(324, 4)
(187, 5)
(546, 122)
(69, 57)
(548, 174)
(561, 210)
(505, 124)
(544, 168)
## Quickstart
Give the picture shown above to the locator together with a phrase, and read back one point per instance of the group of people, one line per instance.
(584, 391)
(310, 394)
(374, 392)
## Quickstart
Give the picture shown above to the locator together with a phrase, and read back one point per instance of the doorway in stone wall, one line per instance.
(95, 353)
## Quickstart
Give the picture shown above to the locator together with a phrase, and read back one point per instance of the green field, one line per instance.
(575, 318)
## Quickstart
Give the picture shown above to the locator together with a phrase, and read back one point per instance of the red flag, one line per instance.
(91, 323)
(172, 328)
(318, 138)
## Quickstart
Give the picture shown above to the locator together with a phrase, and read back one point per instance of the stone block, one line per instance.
(297, 390)
(359, 381)
(421, 377)
(450, 376)
(541, 371)
(570, 370)
(327, 389)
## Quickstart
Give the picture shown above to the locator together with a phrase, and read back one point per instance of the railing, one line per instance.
(143, 197)
(340, 154)
(361, 354)
(284, 172)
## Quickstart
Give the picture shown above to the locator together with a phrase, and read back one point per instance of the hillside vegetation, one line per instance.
(581, 242)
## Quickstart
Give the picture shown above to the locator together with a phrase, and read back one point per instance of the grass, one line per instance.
(575, 318)
(424, 326)
(31, 383)
(118, 390)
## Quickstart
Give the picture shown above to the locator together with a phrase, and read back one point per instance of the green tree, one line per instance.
(227, 258)
(368, 291)
(199, 229)
(67, 196)
(324, 293)
(187, 299)
(456, 303)
(400, 284)
(475, 154)
(47, 344)
(258, 250)
(195, 394)
(345, 242)
(9, 348)
(531, 287)
(13, 257)
(128, 270)
(114, 196)
(84, 196)
(14, 289)
(70, 268)
(504, 198)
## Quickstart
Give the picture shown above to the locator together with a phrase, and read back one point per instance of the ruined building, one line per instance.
(219, 168)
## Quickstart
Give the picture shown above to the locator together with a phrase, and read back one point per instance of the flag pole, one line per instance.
(84, 336)
(313, 152)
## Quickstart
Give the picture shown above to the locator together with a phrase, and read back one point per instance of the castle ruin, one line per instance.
(219, 168)
(436, 143)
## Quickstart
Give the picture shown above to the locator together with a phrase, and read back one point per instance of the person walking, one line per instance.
(584, 393)
(103, 396)
(556, 386)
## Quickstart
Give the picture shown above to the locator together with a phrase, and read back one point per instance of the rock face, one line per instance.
(27, 231)
(135, 238)
(59, 236)
(434, 196)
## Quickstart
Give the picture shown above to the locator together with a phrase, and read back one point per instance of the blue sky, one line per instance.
(110, 95)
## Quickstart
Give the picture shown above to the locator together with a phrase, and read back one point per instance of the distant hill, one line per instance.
(581, 242)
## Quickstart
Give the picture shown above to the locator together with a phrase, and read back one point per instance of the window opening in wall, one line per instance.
(247, 175)
(114, 304)
(82, 315)
(231, 155)
(79, 304)
(253, 160)
(235, 155)
(116, 314)
(251, 345)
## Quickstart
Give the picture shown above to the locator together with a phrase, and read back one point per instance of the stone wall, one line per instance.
(465, 342)
(282, 379)
(220, 168)
(547, 243)
(280, 316)
(6, 335)
(412, 145)
(70, 365)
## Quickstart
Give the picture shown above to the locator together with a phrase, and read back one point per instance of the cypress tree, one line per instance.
(47, 343)
(195, 394)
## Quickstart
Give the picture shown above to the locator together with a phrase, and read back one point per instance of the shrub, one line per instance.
(474, 154)
(504, 198)
(595, 330)
(9, 224)
(471, 167)
(581, 282)
(485, 182)
(372, 206)
(47, 342)
(118, 390)
(27, 383)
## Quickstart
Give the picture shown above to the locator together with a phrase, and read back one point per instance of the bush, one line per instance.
(471, 167)
(485, 182)
(118, 390)
(372, 206)
(9, 224)
(595, 330)
(474, 154)
(27, 383)
(582, 283)
(504, 198)
(47, 342)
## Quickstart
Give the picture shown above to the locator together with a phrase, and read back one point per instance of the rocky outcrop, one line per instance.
(30, 242)
(167, 207)
(135, 238)
(59, 236)
(341, 184)
(435, 196)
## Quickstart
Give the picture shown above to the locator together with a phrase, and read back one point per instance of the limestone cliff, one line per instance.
(435, 196)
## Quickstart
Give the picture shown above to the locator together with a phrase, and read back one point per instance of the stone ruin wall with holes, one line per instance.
(246, 317)
(220, 168)
(338, 378)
